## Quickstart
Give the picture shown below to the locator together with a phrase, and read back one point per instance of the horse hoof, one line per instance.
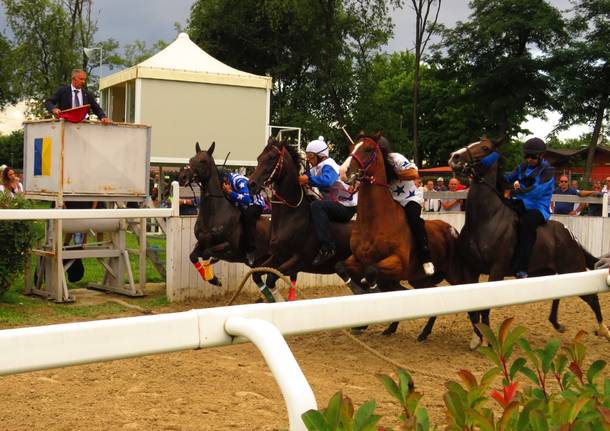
(215, 281)
(559, 328)
(475, 342)
(357, 331)
(388, 332)
(602, 331)
(422, 337)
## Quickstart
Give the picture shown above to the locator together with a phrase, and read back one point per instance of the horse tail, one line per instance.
(589, 258)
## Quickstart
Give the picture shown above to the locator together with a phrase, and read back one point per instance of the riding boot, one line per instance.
(420, 237)
(326, 253)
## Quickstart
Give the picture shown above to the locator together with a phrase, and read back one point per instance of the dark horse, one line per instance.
(381, 241)
(488, 239)
(218, 228)
(294, 244)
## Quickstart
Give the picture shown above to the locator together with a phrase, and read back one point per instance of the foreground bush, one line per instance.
(16, 240)
(562, 392)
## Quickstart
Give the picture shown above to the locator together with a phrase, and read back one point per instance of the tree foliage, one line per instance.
(493, 53)
(11, 149)
(318, 52)
(7, 73)
(581, 71)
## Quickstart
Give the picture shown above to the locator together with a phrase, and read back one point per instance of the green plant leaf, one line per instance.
(516, 367)
(510, 411)
(524, 416)
(511, 340)
(405, 384)
(391, 386)
(364, 415)
(468, 378)
(483, 422)
(314, 421)
(455, 408)
(489, 377)
(490, 354)
(423, 420)
(548, 354)
(332, 413)
(412, 401)
(577, 407)
(457, 389)
(489, 336)
(504, 328)
(529, 373)
(529, 352)
(538, 420)
(595, 369)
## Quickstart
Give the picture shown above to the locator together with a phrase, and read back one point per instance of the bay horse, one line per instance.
(489, 236)
(381, 241)
(294, 244)
(218, 228)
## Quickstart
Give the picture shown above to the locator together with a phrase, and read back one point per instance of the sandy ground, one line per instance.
(232, 388)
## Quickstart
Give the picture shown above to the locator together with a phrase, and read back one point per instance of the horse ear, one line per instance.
(197, 148)
(270, 140)
(211, 149)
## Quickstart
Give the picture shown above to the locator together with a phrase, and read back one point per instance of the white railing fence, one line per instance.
(39, 348)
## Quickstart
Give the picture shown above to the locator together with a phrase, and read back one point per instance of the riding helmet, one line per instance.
(318, 147)
(534, 146)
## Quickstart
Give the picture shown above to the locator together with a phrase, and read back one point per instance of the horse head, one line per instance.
(365, 162)
(185, 176)
(201, 165)
(467, 160)
(271, 164)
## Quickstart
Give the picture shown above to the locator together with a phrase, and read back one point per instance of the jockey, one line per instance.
(532, 194)
(235, 188)
(338, 203)
(406, 193)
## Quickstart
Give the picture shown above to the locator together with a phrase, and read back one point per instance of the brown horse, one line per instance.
(492, 221)
(218, 228)
(381, 240)
(294, 244)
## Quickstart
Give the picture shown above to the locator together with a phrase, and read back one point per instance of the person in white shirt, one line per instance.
(10, 182)
(431, 205)
(405, 191)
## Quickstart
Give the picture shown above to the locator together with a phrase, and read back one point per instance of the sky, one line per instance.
(152, 20)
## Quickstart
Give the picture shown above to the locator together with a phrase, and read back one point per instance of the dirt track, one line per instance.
(232, 388)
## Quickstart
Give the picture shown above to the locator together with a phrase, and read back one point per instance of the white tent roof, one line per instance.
(183, 60)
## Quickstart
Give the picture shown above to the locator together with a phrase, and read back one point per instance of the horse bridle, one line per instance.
(362, 175)
(275, 175)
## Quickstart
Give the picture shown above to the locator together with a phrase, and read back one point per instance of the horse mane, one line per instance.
(294, 153)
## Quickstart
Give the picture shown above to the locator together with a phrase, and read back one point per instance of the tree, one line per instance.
(11, 149)
(581, 71)
(492, 53)
(7, 73)
(423, 31)
(318, 52)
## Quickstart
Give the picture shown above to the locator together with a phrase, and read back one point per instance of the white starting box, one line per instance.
(86, 161)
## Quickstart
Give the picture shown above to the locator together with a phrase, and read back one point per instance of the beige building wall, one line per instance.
(183, 113)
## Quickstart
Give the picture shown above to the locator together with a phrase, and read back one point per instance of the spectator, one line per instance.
(595, 210)
(577, 206)
(564, 207)
(606, 187)
(440, 185)
(568, 207)
(450, 205)
(10, 182)
(431, 205)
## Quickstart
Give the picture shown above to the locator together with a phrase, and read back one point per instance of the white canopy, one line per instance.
(183, 60)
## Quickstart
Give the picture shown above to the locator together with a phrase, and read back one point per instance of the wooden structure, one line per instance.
(86, 162)
(565, 161)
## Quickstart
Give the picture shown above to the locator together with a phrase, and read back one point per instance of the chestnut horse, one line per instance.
(294, 244)
(218, 228)
(381, 240)
(489, 235)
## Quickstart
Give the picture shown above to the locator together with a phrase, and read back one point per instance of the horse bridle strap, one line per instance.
(277, 169)
(365, 166)
(283, 201)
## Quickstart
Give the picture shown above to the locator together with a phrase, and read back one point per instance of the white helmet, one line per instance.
(318, 147)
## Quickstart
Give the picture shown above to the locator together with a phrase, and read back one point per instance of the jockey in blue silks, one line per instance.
(235, 188)
(534, 184)
(338, 203)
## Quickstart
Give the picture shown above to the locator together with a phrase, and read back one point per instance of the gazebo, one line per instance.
(188, 96)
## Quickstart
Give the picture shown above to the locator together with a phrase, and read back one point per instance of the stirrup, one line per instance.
(428, 268)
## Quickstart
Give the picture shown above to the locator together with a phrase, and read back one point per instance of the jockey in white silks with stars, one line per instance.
(338, 203)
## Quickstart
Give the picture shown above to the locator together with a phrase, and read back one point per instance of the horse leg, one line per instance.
(204, 268)
(427, 330)
(390, 268)
(593, 302)
(553, 317)
(349, 270)
(290, 267)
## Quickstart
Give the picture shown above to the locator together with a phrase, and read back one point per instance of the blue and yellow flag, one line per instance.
(42, 156)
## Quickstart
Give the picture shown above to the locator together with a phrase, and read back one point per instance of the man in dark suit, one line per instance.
(74, 95)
